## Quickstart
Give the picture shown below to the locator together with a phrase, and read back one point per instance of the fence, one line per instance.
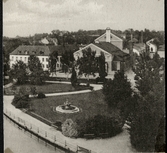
(49, 138)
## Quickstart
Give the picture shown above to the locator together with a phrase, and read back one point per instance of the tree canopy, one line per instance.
(150, 102)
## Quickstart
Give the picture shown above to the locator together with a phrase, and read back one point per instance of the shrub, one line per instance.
(69, 128)
(100, 124)
(21, 101)
(41, 95)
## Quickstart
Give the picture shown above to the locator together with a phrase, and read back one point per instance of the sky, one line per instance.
(27, 17)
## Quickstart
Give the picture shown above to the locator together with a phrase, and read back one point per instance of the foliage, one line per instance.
(21, 99)
(69, 128)
(87, 64)
(37, 75)
(147, 72)
(150, 102)
(118, 92)
(19, 72)
(100, 124)
(41, 95)
(53, 57)
(101, 66)
(67, 60)
(73, 77)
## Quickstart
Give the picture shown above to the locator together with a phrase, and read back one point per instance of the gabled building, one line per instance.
(23, 52)
(112, 47)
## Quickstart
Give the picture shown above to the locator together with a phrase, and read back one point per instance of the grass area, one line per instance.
(90, 105)
(50, 87)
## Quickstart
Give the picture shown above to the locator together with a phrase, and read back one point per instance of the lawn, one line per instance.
(90, 104)
(49, 87)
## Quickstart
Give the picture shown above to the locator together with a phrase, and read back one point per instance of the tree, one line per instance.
(73, 77)
(87, 64)
(118, 93)
(19, 72)
(101, 66)
(53, 57)
(37, 75)
(150, 103)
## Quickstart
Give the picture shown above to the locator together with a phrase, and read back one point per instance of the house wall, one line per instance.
(108, 57)
(161, 54)
(152, 48)
(24, 58)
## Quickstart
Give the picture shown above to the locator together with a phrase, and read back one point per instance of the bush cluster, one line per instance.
(96, 125)
(41, 95)
(69, 128)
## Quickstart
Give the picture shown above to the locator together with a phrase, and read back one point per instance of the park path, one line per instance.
(119, 143)
(95, 88)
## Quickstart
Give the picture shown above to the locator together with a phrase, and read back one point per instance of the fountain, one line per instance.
(67, 108)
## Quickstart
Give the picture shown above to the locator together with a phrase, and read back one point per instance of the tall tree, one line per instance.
(101, 66)
(150, 103)
(19, 72)
(118, 93)
(37, 75)
(87, 64)
(53, 58)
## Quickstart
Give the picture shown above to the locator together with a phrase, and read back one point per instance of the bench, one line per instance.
(89, 136)
(81, 149)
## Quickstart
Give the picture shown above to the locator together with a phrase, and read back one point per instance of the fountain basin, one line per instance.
(69, 109)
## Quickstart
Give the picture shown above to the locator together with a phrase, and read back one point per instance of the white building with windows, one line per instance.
(22, 53)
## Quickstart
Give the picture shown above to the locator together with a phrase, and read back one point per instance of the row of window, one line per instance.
(26, 58)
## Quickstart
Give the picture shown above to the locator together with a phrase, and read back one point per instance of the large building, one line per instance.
(22, 53)
(42, 52)
(112, 46)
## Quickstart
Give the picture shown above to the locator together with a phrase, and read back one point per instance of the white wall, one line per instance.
(24, 58)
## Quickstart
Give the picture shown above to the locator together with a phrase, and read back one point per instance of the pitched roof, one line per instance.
(61, 49)
(31, 50)
(161, 48)
(110, 48)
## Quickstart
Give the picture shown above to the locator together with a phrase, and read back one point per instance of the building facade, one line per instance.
(22, 53)
(112, 47)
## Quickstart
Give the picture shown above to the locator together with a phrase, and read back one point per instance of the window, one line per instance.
(57, 65)
(47, 59)
(20, 58)
(43, 65)
(42, 59)
(25, 59)
(114, 66)
(12, 58)
(47, 66)
(16, 58)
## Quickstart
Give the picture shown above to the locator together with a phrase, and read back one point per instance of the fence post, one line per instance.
(65, 143)
(54, 138)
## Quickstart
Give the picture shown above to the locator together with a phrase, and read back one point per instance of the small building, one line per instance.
(152, 48)
(161, 51)
(112, 46)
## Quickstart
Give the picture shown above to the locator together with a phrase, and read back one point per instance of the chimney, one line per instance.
(108, 35)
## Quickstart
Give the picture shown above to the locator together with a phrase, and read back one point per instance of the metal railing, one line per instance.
(46, 136)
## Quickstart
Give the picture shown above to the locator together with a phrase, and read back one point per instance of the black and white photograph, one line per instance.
(83, 76)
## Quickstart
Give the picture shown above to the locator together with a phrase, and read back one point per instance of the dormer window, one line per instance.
(19, 52)
(26, 52)
(34, 52)
(42, 52)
